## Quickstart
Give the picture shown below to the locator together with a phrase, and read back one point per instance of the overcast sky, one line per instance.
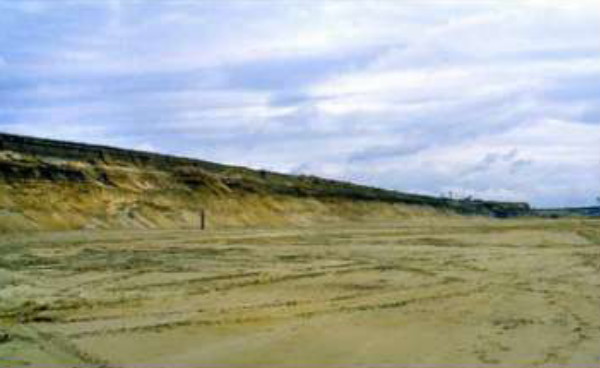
(496, 99)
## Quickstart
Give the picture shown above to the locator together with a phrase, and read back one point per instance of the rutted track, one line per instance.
(521, 292)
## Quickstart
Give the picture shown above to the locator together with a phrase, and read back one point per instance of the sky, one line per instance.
(494, 99)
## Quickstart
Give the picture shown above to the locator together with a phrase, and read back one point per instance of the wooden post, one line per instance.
(202, 219)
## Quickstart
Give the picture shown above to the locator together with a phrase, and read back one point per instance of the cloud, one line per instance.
(492, 159)
(492, 99)
(29, 7)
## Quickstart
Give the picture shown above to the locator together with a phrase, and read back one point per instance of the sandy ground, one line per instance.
(413, 293)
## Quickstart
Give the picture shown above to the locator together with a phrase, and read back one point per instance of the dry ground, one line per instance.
(420, 292)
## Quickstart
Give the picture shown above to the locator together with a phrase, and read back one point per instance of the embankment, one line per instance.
(55, 185)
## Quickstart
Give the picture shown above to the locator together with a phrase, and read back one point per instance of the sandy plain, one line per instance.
(421, 292)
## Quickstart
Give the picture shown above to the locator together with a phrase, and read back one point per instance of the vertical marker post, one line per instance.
(202, 219)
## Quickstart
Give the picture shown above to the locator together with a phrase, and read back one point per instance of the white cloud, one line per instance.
(428, 97)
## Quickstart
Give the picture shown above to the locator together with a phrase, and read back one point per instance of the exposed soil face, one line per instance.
(424, 292)
(57, 186)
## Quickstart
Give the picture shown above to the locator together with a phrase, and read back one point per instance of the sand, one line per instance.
(441, 292)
